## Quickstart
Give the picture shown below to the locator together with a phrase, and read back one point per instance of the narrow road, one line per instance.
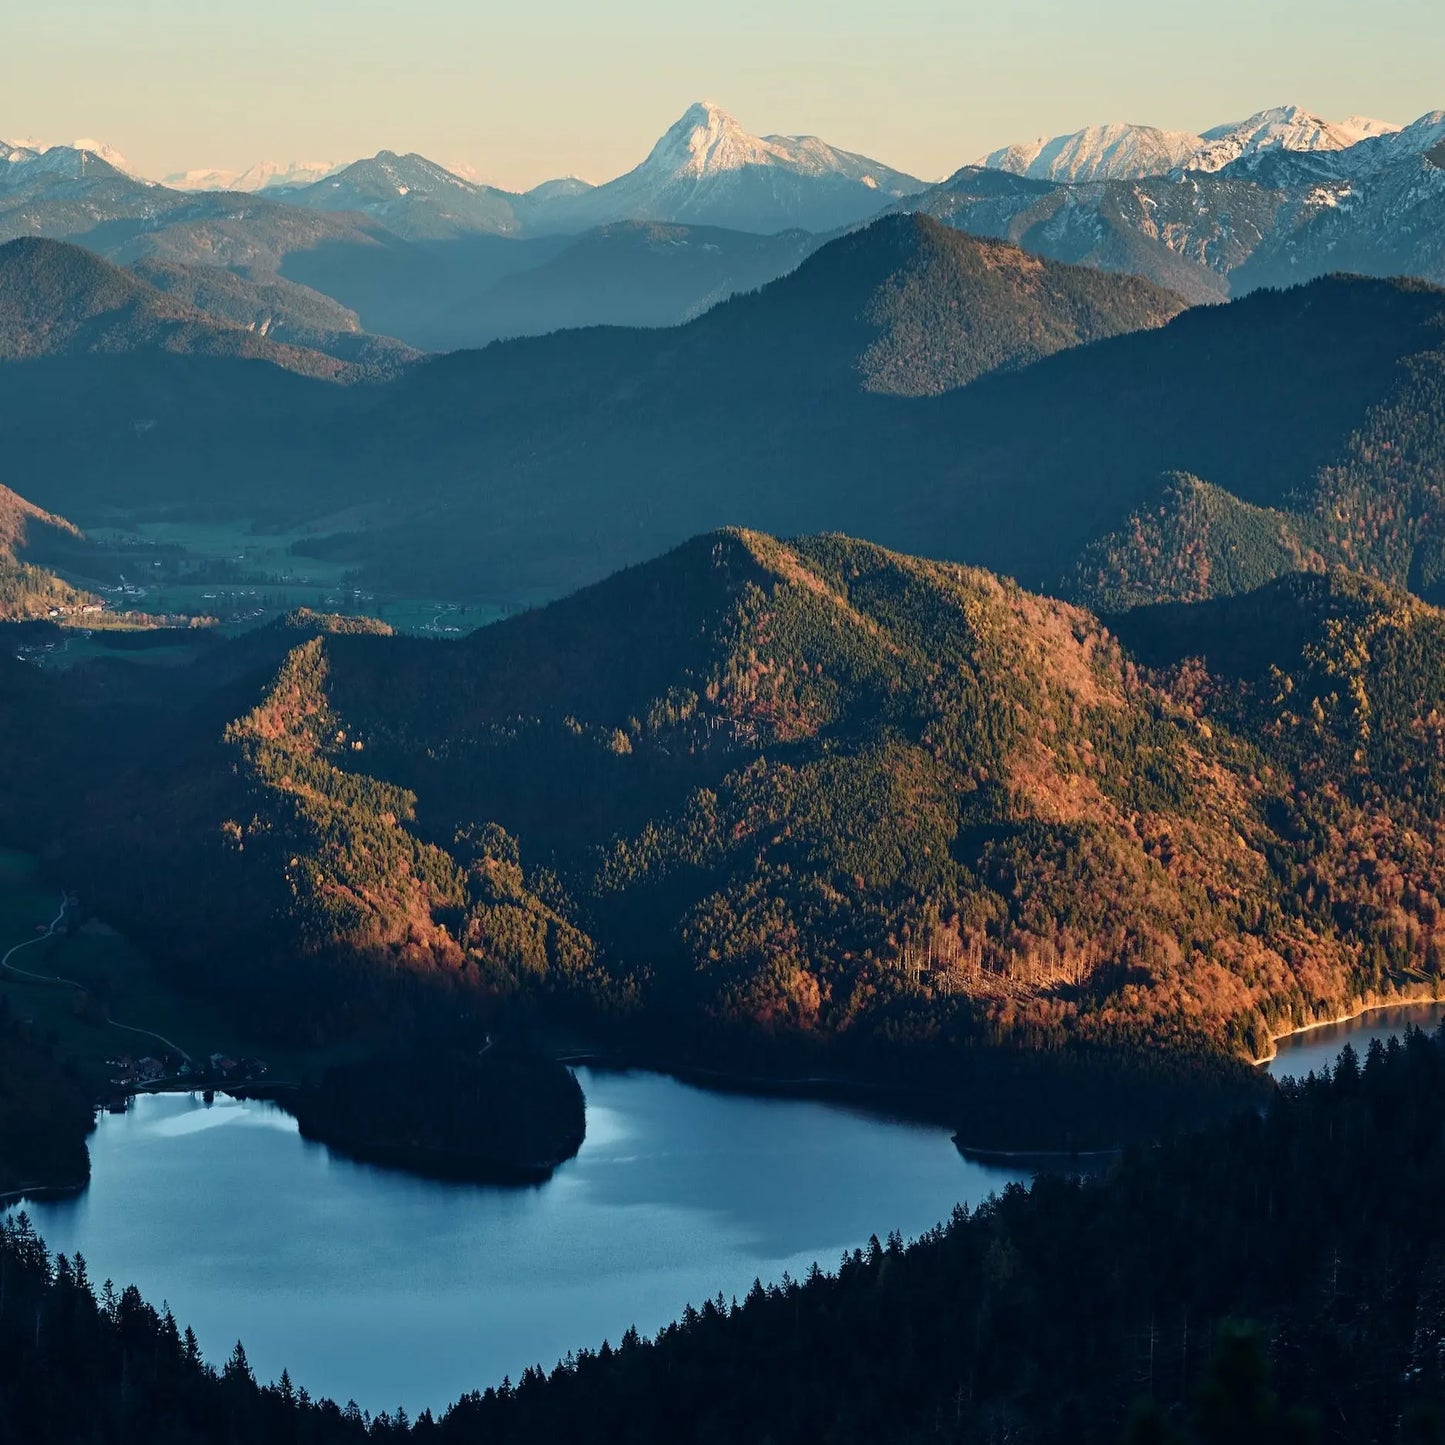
(71, 983)
(30, 942)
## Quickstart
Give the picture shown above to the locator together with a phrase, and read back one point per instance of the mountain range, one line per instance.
(933, 392)
(1225, 233)
(441, 261)
(979, 645)
(58, 300)
(264, 175)
(706, 142)
(905, 309)
(706, 170)
(1118, 152)
(893, 380)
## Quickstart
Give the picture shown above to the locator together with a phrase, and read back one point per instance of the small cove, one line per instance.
(1318, 1048)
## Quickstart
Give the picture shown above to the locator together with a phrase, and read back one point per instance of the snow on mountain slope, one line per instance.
(44, 159)
(28, 165)
(1416, 139)
(1282, 128)
(1364, 127)
(262, 176)
(1388, 221)
(707, 170)
(107, 153)
(1132, 152)
(1386, 147)
(708, 141)
(411, 195)
(1098, 153)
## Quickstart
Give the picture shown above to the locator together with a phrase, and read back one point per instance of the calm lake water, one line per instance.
(368, 1284)
(1319, 1048)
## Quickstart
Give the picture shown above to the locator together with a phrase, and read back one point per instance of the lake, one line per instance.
(370, 1284)
(1319, 1048)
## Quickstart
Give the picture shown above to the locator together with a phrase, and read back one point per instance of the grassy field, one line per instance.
(112, 969)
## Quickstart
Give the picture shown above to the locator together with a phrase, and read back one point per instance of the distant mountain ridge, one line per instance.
(897, 385)
(58, 300)
(412, 196)
(1272, 218)
(1099, 152)
(415, 250)
(263, 175)
(704, 170)
(28, 152)
(1131, 152)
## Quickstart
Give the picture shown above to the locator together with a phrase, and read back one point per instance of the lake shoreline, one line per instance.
(895, 1102)
(910, 1104)
(1027, 1158)
(679, 1194)
(442, 1166)
(1374, 1003)
(43, 1193)
(1024, 1139)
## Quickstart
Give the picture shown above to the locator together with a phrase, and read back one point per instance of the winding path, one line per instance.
(71, 983)
(39, 938)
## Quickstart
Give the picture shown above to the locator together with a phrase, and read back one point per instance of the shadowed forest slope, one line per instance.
(811, 796)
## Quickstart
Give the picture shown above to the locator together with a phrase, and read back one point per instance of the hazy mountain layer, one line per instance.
(1310, 420)
(58, 300)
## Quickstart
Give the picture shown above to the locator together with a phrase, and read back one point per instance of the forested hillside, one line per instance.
(1064, 474)
(60, 300)
(278, 309)
(1289, 429)
(28, 589)
(907, 307)
(781, 801)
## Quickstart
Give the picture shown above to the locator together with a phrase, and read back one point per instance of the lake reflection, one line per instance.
(1319, 1048)
(370, 1284)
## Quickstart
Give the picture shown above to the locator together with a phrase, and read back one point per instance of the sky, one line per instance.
(526, 91)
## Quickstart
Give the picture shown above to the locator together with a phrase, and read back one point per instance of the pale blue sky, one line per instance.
(525, 91)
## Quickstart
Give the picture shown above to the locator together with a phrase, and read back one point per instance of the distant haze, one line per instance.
(521, 93)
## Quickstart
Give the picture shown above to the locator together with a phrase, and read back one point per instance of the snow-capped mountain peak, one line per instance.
(1282, 127)
(25, 164)
(1365, 127)
(706, 140)
(1132, 152)
(1097, 153)
(107, 153)
(76, 159)
(708, 170)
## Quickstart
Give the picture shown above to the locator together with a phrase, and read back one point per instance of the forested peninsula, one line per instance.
(495, 1116)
